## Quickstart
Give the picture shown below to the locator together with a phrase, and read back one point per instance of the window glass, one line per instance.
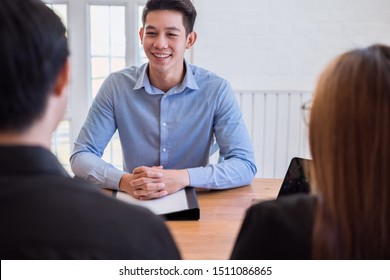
(60, 143)
(100, 67)
(117, 31)
(107, 47)
(99, 30)
(107, 55)
(107, 42)
(141, 54)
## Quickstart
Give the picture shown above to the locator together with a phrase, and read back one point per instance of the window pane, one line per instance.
(141, 54)
(107, 54)
(100, 37)
(100, 67)
(117, 64)
(117, 28)
(96, 84)
(108, 42)
(60, 144)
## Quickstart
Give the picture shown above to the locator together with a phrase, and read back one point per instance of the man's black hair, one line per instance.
(183, 6)
(33, 50)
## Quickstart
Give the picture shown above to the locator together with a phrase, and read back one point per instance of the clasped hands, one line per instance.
(146, 183)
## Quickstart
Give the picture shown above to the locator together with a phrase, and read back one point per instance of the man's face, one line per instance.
(164, 40)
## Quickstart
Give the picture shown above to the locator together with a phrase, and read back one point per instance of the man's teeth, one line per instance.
(161, 55)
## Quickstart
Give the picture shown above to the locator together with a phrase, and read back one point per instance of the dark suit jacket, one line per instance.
(45, 214)
(277, 230)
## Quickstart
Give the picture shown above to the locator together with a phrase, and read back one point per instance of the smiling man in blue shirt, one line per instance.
(168, 113)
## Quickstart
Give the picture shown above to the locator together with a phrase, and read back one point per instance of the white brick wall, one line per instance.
(269, 48)
(283, 44)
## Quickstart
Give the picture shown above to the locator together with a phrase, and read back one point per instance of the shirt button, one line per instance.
(164, 150)
(164, 124)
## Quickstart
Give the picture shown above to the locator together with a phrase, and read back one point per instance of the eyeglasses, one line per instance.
(305, 109)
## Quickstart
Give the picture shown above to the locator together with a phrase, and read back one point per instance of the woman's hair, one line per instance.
(349, 134)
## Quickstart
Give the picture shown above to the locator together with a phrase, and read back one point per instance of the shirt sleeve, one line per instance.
(238, 167)
(93, 138)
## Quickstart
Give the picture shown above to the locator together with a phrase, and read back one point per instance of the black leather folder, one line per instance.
(180, 206)
(191, 213)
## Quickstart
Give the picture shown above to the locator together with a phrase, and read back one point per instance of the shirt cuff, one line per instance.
(197, 176)
(112, 180)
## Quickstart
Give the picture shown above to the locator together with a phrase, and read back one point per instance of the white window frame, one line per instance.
(80, 96)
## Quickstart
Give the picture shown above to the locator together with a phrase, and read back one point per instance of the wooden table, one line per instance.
(221, 216)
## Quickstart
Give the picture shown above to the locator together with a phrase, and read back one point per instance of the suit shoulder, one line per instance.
(285, 207)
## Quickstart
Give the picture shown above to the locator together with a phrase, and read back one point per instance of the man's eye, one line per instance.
(151, 33)
(171, 35)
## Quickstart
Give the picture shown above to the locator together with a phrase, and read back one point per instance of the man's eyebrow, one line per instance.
(172, 28)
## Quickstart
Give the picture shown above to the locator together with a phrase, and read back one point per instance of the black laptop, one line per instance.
(296, 179)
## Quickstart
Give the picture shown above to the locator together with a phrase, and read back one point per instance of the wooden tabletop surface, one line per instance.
(221, 213)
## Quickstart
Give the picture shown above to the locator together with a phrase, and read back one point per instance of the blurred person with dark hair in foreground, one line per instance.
(45, 214)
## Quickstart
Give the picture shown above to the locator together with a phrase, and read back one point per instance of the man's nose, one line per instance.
(161, 42)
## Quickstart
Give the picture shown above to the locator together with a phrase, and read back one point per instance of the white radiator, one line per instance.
(277, 129)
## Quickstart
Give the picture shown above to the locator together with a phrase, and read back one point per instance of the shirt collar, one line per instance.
(143, 79)
(144, 82)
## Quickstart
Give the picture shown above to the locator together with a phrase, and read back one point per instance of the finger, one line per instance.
(147, 184)
(140, 169)
(130, 191)
(148, 174)
(154, 195)
(149, 188)
(139, 193)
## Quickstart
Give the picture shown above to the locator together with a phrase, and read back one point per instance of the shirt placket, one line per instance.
(164, 131)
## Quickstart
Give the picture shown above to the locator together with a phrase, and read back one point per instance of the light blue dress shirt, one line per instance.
(174, 129)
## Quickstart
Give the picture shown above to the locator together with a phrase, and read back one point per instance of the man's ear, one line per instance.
(141, 34)
(191, 39)
(62, 79)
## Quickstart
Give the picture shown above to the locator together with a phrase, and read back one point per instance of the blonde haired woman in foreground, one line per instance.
(349, 134)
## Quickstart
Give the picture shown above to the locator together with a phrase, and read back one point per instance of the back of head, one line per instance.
(183, 6)
(350, 144)
(33, 50)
